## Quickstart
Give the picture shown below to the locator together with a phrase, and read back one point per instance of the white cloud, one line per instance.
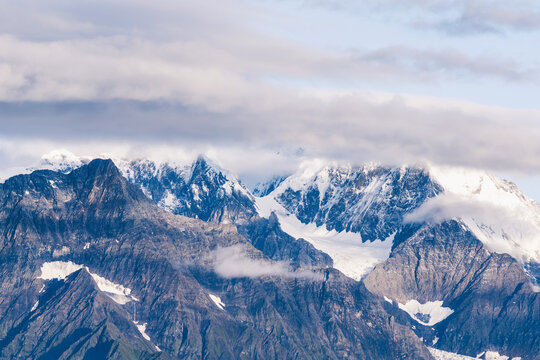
(457, 17)
(237, 261)
(514, 230)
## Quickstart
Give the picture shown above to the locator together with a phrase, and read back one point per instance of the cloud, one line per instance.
(171, 75)
(453, 17)
(484, 16)
(433, 64)
(503, 229)
(451, 206)
(346, 125)
(215, 73)
(236, 261)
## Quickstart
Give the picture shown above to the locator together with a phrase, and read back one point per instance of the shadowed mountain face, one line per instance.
(493, 302)
(145, 283)
(267, 236)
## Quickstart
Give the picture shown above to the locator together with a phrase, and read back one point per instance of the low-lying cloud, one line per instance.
(236, 262)
(453, 206)
(514, 229)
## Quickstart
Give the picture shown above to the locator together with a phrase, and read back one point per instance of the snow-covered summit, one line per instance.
(351, 213)
(371, 202)
(497, 212)
(60, 160)
(200, 188)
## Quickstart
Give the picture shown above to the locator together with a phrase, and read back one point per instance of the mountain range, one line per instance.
(140, 259)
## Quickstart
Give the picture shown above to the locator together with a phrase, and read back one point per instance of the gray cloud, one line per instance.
(108, 76)
(236, 261)
(352, 126)
(107, 50)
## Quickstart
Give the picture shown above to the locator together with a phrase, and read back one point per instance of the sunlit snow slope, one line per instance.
(350, 255)
(504, 219)
(352, 213)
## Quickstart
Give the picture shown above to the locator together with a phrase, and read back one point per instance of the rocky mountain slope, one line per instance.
(91, 267)
(454, 248)
(486, 298)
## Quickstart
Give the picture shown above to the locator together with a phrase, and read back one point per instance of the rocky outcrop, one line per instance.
(266, 235)
(72, 319)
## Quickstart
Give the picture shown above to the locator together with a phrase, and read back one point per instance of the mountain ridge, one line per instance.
(96, 218)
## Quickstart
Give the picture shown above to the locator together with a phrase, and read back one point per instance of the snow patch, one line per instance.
(445, 355)
(35, 306)
(430, 313)
(58, 270)
(61, 269)
(86, 246)
(117, 292)
(142, 330)
(350, 255)
(486, 355)
(169, 201)
(217, 301)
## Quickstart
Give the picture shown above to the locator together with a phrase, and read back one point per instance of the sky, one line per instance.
(261, 85)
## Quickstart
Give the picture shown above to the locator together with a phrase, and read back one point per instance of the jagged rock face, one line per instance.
(369, 200)
(493, 301)
(266, 235)
(265, 188)
(94, 217)
(202, 190)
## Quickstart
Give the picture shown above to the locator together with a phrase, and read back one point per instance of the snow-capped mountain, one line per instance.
(370, 200)
(200, 189)
(91, 268)
(429, 242)
(451, 234)
(352, 212)
(348, 212)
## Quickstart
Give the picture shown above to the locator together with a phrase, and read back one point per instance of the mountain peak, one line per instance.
(60, 160)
